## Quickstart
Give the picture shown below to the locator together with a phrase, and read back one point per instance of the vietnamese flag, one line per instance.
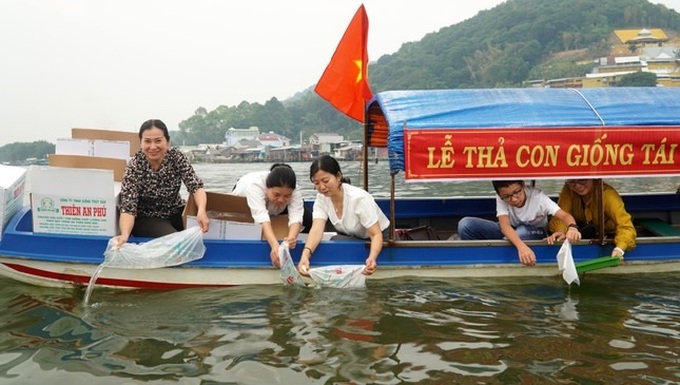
(344, 83)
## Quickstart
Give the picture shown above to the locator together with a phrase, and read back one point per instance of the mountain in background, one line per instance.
(511, 43)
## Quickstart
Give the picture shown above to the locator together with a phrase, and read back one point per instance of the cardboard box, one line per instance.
(231, 219)
(72, 201)
(91, 162)
(12, 187)
(92, 133)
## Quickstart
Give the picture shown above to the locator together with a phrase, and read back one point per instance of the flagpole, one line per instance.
(364, 150)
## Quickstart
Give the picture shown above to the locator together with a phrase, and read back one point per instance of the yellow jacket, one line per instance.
(616, 218)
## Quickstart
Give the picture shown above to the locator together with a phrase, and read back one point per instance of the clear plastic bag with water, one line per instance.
(169, 250)
(339, 276)
(289, 274)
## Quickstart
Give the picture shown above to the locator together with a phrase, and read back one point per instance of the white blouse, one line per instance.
(253, 186)
(360, 211)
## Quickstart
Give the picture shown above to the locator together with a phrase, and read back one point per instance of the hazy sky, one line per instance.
(113, 64)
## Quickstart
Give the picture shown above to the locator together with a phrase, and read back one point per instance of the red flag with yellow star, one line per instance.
(344, 83)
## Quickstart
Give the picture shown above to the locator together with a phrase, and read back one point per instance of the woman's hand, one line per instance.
(119, 240)
(291, 241)
(203, 221)
(274, 255)
(303, 266)
(371, 266)
(617, 253)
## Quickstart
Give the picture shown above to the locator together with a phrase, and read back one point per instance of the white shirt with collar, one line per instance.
(360, 211)
(253, 186)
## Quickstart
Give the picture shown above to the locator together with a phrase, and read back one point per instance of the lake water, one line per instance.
(610, 330)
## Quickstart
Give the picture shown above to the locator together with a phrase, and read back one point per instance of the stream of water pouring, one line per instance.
(90, 285)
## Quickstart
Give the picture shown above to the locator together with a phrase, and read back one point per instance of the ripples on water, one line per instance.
(613, 329)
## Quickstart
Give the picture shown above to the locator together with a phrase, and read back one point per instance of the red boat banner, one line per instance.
(539, 153)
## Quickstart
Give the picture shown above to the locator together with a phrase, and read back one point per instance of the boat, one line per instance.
(438, 136)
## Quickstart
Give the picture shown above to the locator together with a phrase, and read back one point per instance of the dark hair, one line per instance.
(281, 175)
(147, 125)
(499, 184)
(328, 164)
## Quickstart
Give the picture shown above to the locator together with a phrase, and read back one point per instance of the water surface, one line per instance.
(612, 329)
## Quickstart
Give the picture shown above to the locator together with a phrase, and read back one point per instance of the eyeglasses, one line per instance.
(573, 182)
(515, 194)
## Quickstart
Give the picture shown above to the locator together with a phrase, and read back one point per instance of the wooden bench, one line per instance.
(659, 227)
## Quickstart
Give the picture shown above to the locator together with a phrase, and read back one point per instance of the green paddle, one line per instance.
(597, 263)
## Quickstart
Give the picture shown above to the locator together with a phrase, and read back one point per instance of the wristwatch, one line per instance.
(574, 225)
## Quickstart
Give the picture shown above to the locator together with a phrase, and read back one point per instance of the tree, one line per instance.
(637, 79)
(20, 151)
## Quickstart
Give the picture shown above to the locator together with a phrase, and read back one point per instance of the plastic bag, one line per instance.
(289, 274)
(565, 263)
(169, 250)
(339, 276)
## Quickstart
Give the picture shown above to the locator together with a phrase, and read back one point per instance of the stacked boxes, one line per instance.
(96, 149)
(77, 193)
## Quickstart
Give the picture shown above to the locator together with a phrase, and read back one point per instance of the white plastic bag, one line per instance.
(565, 263)
(169, 250)
(289, 274)
(339, 276)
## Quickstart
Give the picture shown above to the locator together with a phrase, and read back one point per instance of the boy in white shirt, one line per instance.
(523, 213)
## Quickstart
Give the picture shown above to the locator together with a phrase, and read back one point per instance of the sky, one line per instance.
(114, 64)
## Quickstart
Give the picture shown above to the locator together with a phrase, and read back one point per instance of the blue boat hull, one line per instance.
(67, 260)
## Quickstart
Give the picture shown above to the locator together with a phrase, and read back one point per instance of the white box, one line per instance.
(73, 201)
(116, 149)
(92, 133)
(12, 187)
(221, 229)
(111, 149)
(68, 146)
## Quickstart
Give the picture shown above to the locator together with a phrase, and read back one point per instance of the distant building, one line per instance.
(576, 82)
(234, 135)
(273, 140)
(639, 50)
(642, 36)
(325, 142)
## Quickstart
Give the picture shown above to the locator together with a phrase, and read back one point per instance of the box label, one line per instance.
(73, 215)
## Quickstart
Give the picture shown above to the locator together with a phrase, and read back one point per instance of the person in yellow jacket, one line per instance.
(580, 198)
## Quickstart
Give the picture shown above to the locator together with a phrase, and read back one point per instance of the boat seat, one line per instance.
(659, 227)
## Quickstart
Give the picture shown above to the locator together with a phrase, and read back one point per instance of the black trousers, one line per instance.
(157, 227)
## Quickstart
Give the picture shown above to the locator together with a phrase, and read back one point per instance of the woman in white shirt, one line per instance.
(272, 193)
(352, 211)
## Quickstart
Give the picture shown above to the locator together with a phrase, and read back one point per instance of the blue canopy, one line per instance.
(390, 112)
